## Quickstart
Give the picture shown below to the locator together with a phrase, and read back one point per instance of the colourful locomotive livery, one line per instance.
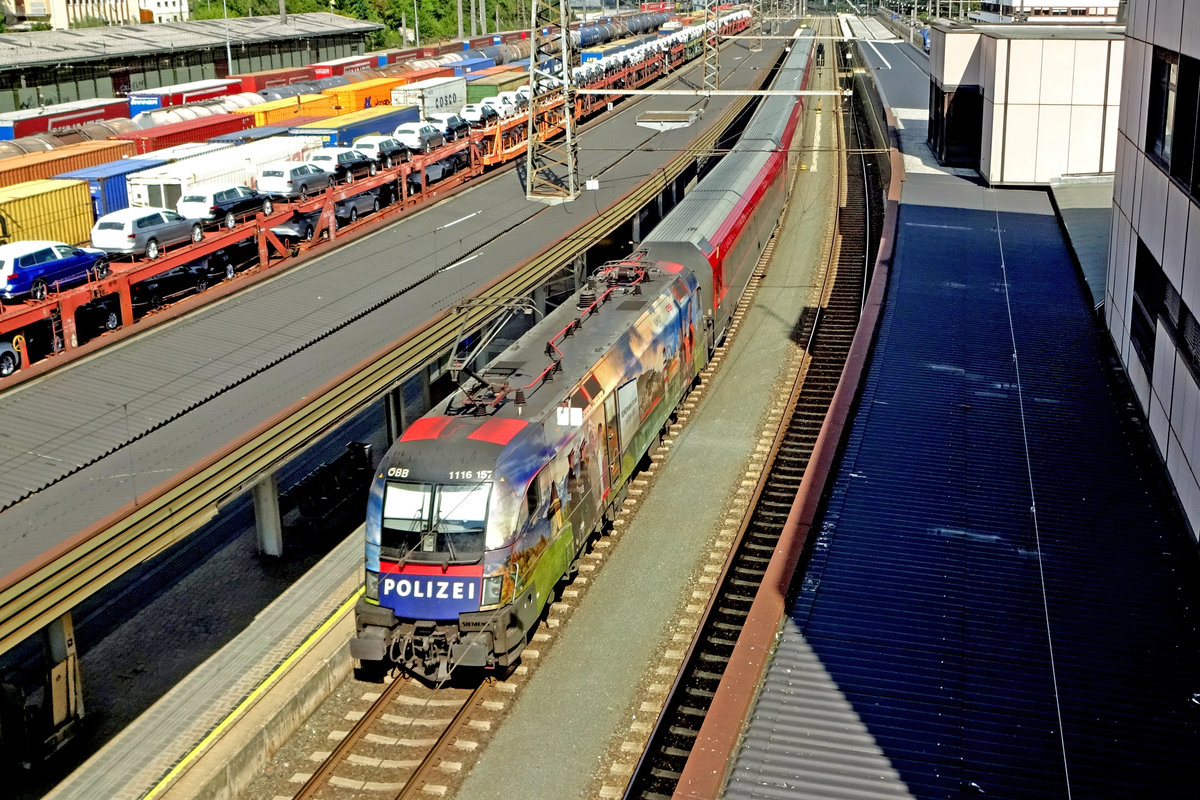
(486, 503)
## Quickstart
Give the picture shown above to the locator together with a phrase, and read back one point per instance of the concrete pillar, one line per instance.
(393, 414)
(266, 517)
(65, 685)
(539, 301)
(579, 273)
(636, 236)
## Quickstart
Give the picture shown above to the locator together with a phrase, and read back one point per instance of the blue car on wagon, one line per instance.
(33, 268)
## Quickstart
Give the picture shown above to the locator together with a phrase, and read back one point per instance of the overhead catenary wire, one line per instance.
(1033, 504)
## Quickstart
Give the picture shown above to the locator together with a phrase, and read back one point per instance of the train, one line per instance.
(483, 506)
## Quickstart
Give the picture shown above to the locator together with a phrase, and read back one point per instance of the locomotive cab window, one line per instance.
(443, 523)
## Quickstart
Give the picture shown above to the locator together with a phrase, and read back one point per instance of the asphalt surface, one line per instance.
(224, 364)
(585, 697)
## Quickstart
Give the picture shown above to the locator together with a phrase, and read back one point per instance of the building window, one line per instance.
(1156, 300)
(1173, 118)
(1148, 284)
(1160, 118)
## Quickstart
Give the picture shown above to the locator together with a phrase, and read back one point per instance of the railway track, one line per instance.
(827, 333)
(403, 743)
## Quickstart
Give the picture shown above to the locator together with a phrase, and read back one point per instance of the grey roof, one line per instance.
(944, 641)
(1038, 30)
(19, 50)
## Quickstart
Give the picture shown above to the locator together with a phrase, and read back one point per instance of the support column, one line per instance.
(636, 236)
(580, 271)
(66, 683)
(393, 414)
(539, 300)
(266, 517)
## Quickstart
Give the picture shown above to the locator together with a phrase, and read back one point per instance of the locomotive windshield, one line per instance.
(439, 523)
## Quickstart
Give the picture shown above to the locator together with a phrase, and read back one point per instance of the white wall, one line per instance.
(1147, 205)
(1053, 106)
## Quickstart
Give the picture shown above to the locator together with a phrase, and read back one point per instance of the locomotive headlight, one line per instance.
(372, 585)
(491, 589)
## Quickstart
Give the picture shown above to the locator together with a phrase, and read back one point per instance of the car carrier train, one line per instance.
(486, 503)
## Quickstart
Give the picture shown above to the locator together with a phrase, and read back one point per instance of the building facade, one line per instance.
(1025, 104)
(1152, 295)
(63, 14)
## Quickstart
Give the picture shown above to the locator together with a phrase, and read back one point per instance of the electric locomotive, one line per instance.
(483, 505)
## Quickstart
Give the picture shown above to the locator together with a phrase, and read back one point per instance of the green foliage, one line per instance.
(41, 26)
(90, 22)
(211, 9)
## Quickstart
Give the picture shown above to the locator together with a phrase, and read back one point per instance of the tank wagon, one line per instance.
(485, 504)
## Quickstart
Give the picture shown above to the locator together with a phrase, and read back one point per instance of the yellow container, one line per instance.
(58, 210)
(278, 112)
(364, 94)
(68, 158)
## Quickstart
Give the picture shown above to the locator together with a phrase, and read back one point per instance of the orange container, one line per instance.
(280, 112)
(365, 94)
(68, 158)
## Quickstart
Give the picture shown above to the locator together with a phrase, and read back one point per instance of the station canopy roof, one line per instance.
(36, 48)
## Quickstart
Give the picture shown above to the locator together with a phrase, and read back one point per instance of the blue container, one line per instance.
(470, 65)
(107, 182)
(342, 133)
(251, 134)
(380, 61)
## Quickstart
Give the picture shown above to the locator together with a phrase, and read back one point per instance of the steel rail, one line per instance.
(48, 588)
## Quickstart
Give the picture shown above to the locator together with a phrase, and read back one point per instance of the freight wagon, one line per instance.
(106, 182)
(492, 85)
(59, 211)
(181, 94)
(435, 94)
(342, 131)
(48, 163)
(364, 94)
(280, 111)
(612, 48)
(193, 130)
(182, 152)
(265, 79)
(341, 66)
(29, 121)
(162, 187)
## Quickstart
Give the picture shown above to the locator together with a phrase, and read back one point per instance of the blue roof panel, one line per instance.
(922, 600)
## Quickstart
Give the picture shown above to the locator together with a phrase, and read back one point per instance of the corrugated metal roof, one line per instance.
(20, 50)
(917, 656)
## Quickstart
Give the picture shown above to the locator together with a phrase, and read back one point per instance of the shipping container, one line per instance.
(48, 163)
(467, 66)
(436, 94)
(162, 187)
(499, 69)
(47, 209)
(106, 182)
(342, 131)
(364, 94)
(492, 85)
(277, 112)
(255, 134)
(193, 130)
(181, 94)
(425, 74)
(267, 78)
(182, 152)
(340, 66)
(30, 121)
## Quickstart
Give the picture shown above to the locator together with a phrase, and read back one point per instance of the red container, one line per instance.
(340, 66)
(265, 79)
(192, 130)
(27, 122)
(400, 56)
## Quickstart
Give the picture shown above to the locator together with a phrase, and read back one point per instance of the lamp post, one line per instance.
(228, 50)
